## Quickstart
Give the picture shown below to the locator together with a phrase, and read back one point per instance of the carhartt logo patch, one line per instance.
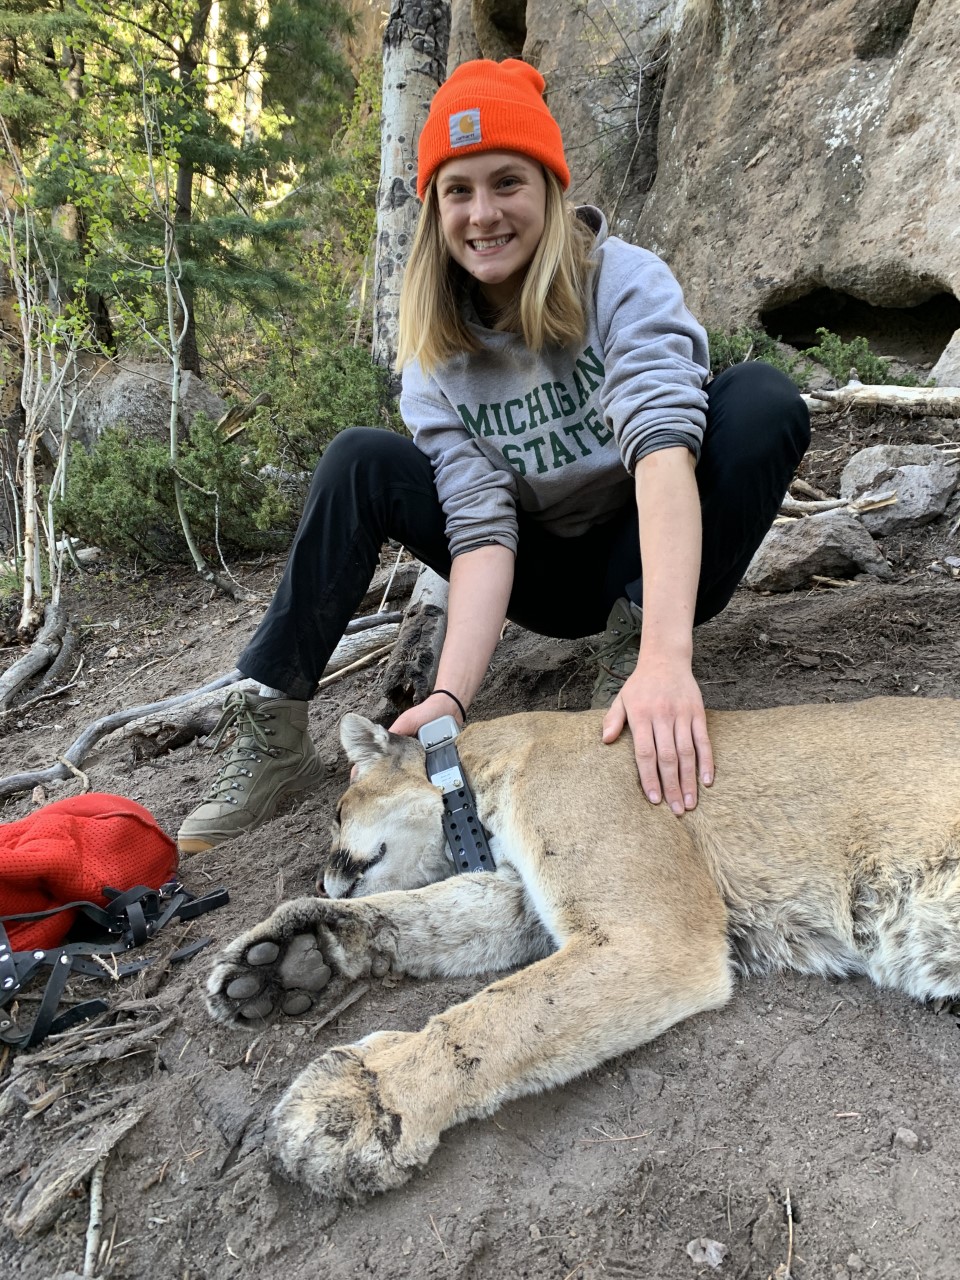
(465, 127)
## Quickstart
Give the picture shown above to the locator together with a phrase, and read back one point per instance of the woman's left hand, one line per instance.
(662, 703)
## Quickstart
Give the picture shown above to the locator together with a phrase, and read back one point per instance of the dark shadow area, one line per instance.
(882, 27)
(500, 27)
(917, 334)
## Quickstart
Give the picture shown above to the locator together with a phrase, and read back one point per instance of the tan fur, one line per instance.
(829, 844)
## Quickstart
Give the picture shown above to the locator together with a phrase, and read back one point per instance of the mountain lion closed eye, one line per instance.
(828, 844)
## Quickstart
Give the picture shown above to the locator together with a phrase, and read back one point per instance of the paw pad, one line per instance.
(275, 977)
(295, 1003)
(242, 988)
(261, 1007)
(263, 953)
(303, 967)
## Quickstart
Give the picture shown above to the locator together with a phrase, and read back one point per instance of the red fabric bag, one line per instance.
(70, 851)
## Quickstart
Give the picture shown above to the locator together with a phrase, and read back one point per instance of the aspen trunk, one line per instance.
(414, 63)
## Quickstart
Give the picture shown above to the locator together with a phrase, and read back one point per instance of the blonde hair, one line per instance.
(550, 308)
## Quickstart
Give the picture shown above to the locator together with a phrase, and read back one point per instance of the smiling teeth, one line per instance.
(490, 244)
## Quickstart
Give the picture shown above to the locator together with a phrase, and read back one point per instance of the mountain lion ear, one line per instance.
(364, 742)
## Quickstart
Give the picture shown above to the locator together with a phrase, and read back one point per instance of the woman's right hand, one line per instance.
(438, 704)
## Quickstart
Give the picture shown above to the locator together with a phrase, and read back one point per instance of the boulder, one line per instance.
(921, 476)
(807, 147)
(832, 544)
(946, 372)
(134, 394)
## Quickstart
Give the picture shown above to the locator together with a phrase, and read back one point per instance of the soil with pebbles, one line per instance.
(833, 1098)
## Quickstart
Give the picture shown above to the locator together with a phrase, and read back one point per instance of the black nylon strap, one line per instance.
(135, 915)
(48, 1005)
(9, 978)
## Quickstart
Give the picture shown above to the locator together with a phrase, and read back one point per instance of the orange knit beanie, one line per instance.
(490, 106)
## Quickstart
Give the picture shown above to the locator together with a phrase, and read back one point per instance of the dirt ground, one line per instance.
(807, 1124)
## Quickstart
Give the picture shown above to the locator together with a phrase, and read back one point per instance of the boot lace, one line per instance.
(617, 643)
(249, 746)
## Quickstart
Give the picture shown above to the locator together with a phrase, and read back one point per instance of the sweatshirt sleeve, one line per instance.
(479, 499)
(655, 355)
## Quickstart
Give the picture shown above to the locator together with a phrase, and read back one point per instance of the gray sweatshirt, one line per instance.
(559, 434)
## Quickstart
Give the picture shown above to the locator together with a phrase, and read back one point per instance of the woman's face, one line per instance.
(492, 209)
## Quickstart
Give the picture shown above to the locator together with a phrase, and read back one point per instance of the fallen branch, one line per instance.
(353, 648)
(75, 754)
(410, 673)
(401, 583)
(62, 662)
(40, 1200)
(156, 735)
(40, 654)
(798, 485)
(791, 506)
(366, 640)
(236, 418)
(915, 402)
(374, 620)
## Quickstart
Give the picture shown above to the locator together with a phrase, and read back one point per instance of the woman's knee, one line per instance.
(755, 406)
(367, 451)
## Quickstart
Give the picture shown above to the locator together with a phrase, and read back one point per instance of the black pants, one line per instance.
(372, 485)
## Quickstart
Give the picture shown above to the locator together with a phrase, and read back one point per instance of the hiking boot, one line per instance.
(618, 652)
(271, 756)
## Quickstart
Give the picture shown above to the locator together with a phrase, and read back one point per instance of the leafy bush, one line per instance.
(120, 495)
(245, 494)
(313, 398)
(836, 356)
(839, 357)
(727, 349)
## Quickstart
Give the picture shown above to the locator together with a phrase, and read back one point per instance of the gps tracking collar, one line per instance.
(467, 845)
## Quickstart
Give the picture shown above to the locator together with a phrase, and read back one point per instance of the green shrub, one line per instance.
(727, 349)
(839, 357)
(314, 398)
(120, 496)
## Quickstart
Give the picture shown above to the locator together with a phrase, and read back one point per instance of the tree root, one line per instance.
(77, 752)
(41, 653)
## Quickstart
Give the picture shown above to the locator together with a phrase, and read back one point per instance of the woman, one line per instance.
(567, 464)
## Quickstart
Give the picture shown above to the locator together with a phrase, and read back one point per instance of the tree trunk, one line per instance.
(189, 58)
(414, 63)
(189, 351)
(11, 345)
(66, 217)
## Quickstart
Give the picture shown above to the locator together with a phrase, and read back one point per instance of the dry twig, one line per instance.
(439, 1238)
(366, 661)
(77, 773)
(349, 999)
(95, 1225)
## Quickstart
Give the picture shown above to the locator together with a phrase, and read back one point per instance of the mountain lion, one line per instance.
(828, 844)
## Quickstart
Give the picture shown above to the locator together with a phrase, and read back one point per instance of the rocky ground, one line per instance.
(808, 1126)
